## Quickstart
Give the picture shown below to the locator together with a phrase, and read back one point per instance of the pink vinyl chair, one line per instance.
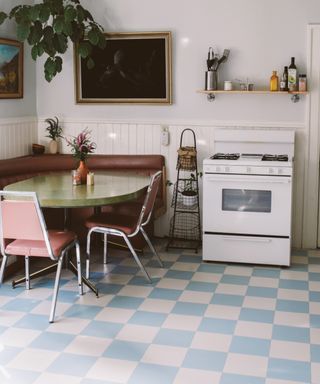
(23, 232)
(126, 226)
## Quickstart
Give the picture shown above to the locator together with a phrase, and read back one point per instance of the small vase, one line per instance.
(53, 147)
(83, 171)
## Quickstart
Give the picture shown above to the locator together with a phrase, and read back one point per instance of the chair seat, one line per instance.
(58, 240)
(124, 223)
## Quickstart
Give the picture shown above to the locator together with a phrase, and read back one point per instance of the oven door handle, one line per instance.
(244, 238)
(251, 179)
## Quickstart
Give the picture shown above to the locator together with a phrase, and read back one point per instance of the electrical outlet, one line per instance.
(165, 136)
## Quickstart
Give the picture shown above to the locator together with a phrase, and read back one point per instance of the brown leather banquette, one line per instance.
(20, 168)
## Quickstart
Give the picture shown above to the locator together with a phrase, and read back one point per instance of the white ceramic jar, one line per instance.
(228, 85)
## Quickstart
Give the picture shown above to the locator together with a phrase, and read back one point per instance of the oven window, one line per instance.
(246, 200)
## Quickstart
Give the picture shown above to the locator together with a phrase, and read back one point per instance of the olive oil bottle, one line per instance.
(274, 82)
(292, 76)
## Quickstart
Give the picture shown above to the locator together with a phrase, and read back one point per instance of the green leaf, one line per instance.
(23, 31)
(50, 65)
(93, 36)
(70, 13)
(58, 61)
(80, 14)
(3, 16)
(48, 76)
(58, 24)
(34, 13)
(34, 52)
(60, 43)
(44, 13)
(67, 29)
(40, 49)
(77, 32)
(48, 34)
(102, 41)
(84, 49)
(49, 48)
(14, 10)
(35, 33)
(90, 63)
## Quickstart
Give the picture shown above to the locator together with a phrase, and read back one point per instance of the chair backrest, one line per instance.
(21, 218)
(150, 199)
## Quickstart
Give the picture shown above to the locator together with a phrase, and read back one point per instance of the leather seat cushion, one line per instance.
(123, 223)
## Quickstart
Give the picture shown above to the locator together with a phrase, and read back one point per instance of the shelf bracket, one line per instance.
(295, 98)
(211, 97)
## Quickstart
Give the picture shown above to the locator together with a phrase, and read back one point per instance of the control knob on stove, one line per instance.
(227, 169)
(271, 170)
(248, 170)
(218, 169)
(280, 171)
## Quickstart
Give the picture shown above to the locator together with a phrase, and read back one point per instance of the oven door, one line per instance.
(247, 204)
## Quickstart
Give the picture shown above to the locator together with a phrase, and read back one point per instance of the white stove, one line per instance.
(247, 197)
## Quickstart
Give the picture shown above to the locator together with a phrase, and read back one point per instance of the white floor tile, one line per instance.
(172, 283)
(8, 318)
(232, 289)
(72, 325)
(293, 275)
(211, 341)
(88, 345)
(292, 319)
(290, 350)
(315, 336)
(204, 277)
(253, 329)
(223, 311)
(196, 297)
(185, 323)
(18, 337)
(118, 371)
(52, 378)
(259, 303)
(138, 333)
(314, 308)
(238, 270)
(115, 315)
(164, 355)
(135, 291)
(37, 360)
(242, 365)
(193, 376)
(157, 305)
(263, 282)
(293, 294)
(188, 267)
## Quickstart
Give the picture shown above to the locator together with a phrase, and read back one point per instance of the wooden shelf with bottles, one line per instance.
(295, 95)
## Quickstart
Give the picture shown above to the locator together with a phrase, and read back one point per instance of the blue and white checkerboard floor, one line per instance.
(198, 323)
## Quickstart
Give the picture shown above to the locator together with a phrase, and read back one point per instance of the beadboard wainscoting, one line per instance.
(17, 136)
(115, 137)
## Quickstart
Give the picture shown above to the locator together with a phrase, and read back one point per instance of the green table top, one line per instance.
(56, 190)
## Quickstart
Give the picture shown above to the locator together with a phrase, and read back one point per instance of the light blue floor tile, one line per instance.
(2, 329)
(250, 346)
(314, 296)
(292, 306)
(234, 279)
(174, 337)
(201, 287)
(141, 281)
(21, 305)
(66, 296)
(315, 353)
(82, 311)
(286, 333)
(92, 381)
(152, 373)
(47, 283)
(314, 260)
(127, 302)
(155, 264)
(217, 326)
(294, 284)
(109, 289)
(262, 292)
(7, 290)
(258, 315)
(126, 350)
(229, 378)
(7, 354)
(102, 329)
(190, 259)
(165, 294)
(206, 360)
(315, 321)
(225, 299)
(289, 370)
(314, 276)
(125, 270)
(52, 341)
(148, 318)
(211, 268)
(266, 272)
(17, 376)
(72, 364)
(194, 309)
(175, 274)
(32, 321)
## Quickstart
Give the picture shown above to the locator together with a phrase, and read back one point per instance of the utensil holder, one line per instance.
(211, 81)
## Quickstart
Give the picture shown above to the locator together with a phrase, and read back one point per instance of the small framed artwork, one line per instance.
(133, 68)
(11, 69)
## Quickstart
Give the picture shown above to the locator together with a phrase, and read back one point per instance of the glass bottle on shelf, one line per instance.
(274, 81)
(284, 80)
(292, 76)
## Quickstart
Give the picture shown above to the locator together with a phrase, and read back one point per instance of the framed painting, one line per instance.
(132, 68)
(11, 69)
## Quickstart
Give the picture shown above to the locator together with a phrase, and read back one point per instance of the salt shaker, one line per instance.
(90, 178)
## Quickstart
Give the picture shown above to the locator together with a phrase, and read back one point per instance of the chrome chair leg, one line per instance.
(151, 246)
(3, 266)
(105, 248)
(27, 271)
(56, 289)
(137, 258)
(88, 254)
(79, 268)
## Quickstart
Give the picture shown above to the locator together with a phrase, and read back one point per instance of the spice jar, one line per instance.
(228, 85)
(302, 83)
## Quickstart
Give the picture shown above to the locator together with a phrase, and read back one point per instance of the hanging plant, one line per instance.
(48, 26)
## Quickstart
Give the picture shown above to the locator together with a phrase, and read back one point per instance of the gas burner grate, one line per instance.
(225, 156)
(268, 157)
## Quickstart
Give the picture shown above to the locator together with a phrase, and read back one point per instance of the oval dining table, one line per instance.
(55, 190)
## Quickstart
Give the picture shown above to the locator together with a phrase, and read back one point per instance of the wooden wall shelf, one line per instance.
(295, 96)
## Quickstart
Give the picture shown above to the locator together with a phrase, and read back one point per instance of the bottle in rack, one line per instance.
(274, 81)
(292, 76)
(284, 80)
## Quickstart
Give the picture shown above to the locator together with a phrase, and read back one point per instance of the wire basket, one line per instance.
(185, 226)
(181, 199)
(187, 158)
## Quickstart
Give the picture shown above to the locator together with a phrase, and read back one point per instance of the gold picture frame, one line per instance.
(133, 68)
(11, 69)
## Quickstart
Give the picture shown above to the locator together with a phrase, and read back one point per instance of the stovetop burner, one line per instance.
(225, 156)
(274, 157)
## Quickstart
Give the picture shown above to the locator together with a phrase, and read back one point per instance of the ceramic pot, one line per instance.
(189, 198)
(53, 147)
(83, 171)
